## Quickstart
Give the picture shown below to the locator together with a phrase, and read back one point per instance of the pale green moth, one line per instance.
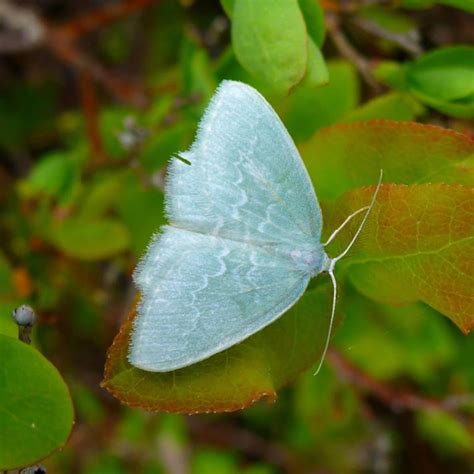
(243, 240)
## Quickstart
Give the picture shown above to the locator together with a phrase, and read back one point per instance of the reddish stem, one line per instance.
(394, 398)
(96, 19)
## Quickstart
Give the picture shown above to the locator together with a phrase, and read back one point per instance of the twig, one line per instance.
(69, 53)
(60, 41)
(26, 31)
(349, 52)
(227, 435)
(100, 17)
(347, 6)
(394, 398)
(89, 105)
(409, 41)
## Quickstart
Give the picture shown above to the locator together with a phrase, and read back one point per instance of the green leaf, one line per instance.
(414, 340)
(314, 17)
(210, 461)
(388, 20)
(308, 108)
(36, 412)
(87, 404)
(197, 75)
(55, 175)
(141, 210)
(101, 194)
(228, 67)
(6, 277)
(448, 434)
(235, 378)
(391, 106)
(105, 463)
(278, 59)
(88, 239)
(25, 109)
(442, 79)
(407, 152)
(158, 110)
(415, 246)
(163, 144)
(7, 325)
(418, 3)
(317, 73)
(111, 123)
(228, 6)
(467, 5)
(444, 74)
(392, 74)
(9, 299)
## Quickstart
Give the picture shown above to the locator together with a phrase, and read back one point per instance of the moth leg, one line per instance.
(331, 321)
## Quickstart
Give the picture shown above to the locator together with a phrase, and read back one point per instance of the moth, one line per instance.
(243, 240)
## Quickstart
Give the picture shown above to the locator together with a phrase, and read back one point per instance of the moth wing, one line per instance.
(203, 294)
(246, 180)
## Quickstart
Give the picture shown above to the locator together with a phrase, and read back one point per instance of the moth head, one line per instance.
(313, 260)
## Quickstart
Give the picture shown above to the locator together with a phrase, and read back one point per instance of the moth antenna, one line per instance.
(333, 261)
(333, 312)
(364, 220)
(348, 219)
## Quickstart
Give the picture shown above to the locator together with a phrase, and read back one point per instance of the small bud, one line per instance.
(24, 315)
(131, 135)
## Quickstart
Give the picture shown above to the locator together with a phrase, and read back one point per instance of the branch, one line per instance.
(24, 31)
(409, 41)
(33, 32)
(90, 107)
(349, 6)
(394, 398)
(100, 17)
(226, 435)
(348, 51)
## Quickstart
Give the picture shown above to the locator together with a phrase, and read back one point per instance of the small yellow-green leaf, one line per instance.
(442, 79)
(36, 412)
(228, 6)
(270, 40)
(314, 18)
(444, 74)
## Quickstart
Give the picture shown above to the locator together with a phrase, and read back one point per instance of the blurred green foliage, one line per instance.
(82, 192)
(38, 419)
